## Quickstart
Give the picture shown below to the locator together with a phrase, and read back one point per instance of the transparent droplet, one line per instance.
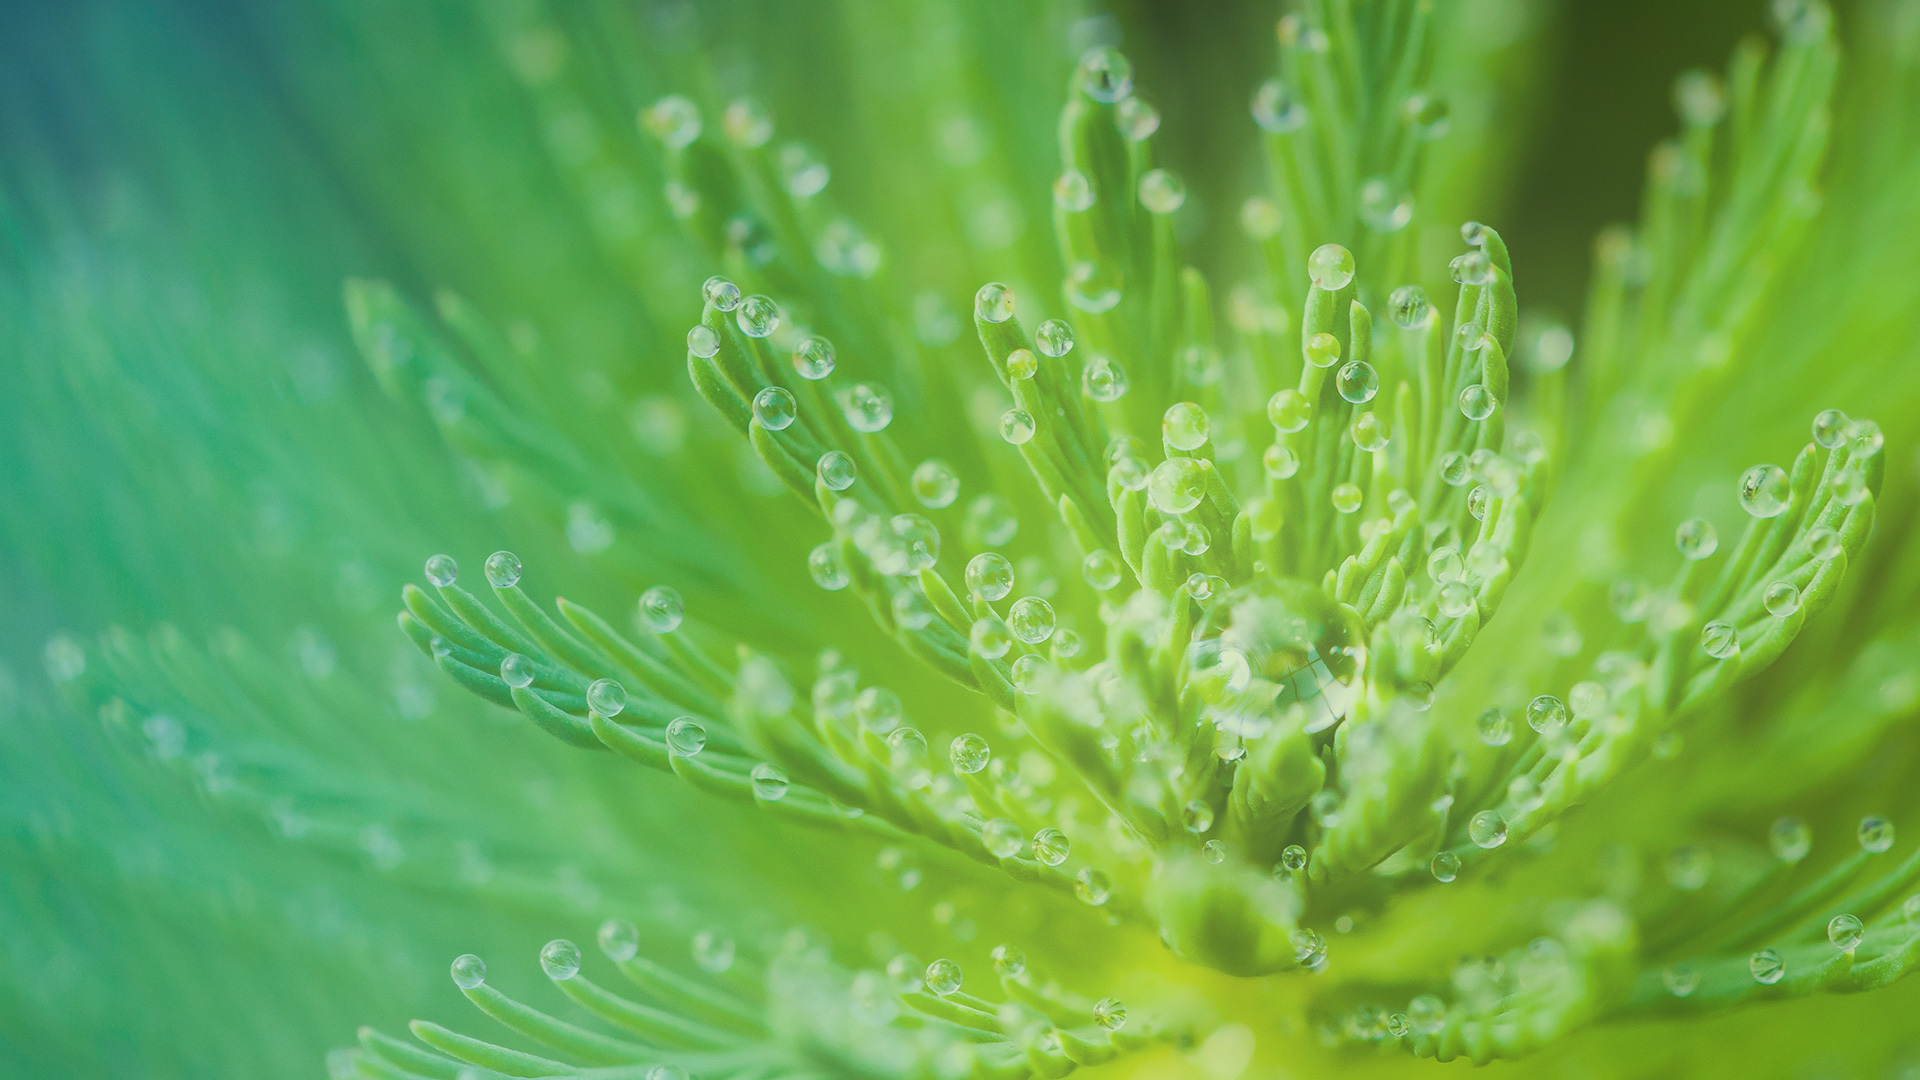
(990, 576)
(686, 736)
(1444, 564)
(991, 521)
(1781, 598)
(1357, 381)
(1494, 727)
(774, 408)
(1177, 485)
(868, 408)
(770, 782)
(1454, 468)
(1681, 980)
(990, 638)
(1477, 402)
(1477, 500)
(674, 120)
(1767, 966)
(942, 977)
(560, 959)
(1092, 886)
(703, 342)
(1546, 714)
(1688, 868)
(723, 294)
(1184, 426)
(1830, 428)
(517, 671)
(442, 570)
(1280, 462)
(746, 122)
(1765, 491)
(1294, 858)
(1276, 111)
(1331, 267)
(1109, 1013)
(1408, 307)
(836, 470)
(1054, 338)
(713, 951)
(1347, 498)
(1031, 620)
(1051, 846)
(1864, 439)
(1309, 947)
(1488, 829)
(969, 753)
(1002, 838)
(878, 709)
(661, 609)
(1473, 268)
(1198, 585)
(1875, 834)
(1844, 932)
(1289, 410)
(1072, 192)
(813, 358)
(1106, 75)
(1135, 119)
(1260, 218)
(1101, 570)
(1104, 379)
(619, 939)
(1823, 543)
(1214, 851)
(469, 971)
(1790, 839)
(1696, 539)
(1720, 639)
(758, 316)
(606, 698)
(1197, 815)
(935, 484)
(994, 302)
(828, 572)
(1455, 599)
(1016, 426)
(1323, 350)
(1162, 192)
(1383, 207)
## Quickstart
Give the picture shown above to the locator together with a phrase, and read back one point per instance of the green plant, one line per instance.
(1251, 647)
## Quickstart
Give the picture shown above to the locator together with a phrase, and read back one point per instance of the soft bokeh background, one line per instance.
(192, 452)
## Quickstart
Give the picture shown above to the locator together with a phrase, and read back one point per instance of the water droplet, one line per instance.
(1136, 120)
(1477, 402)
(1864, 439)
(1357, 382)
(606, 698)
(1294, 858)
(1092, 886)
(1830, 428)
(878, 709)
(828, 572)
(1214, 851)
(1546, 714)
(1824, 544)
(758, 316)
(868, 408)
(1453, 468)
(661, 1072)
(918, 540)
(994, 302)
(1488, 829)
(1106, 75)
(1875, 834)
(990, 638)
(703, 342)
(1720, 639)
(469, 971)
(713, 951)
(1696, 539)
(1054, 338)
(1844, 932)
(1408, 307)
(1001, 837)
(943, 977)
(1477, 500)
(774, 408)
(560, 959)
(990, 521)
(1104, 379)
(1309, 947)
(1051, 846)
(1455, 599)
(969, 753)
(770, 782)
(1031, 620)
(1688, 868)
(813, 358)
(1331, 267)
(1289, 410)
(990, 576)
(1184, 426)
(1109, 1013)
(1494, 727)
(1197, 815)
(1781, 598)
(836, 470)
(1280, 462)
(1767, 966)
(1016, 426)
(1790, 839)
(1275, 110)
(1765, 491)
(442, 570)
(661, 609)
(1681, 979)
(721, 293)
(686, 736)
(1101, 570)
(674, 120)
(1473, 268)
(1849, 487)
(517, 671)
(1162, 192)
(1072, 192)
(1384, 208)
(1177, 485)
(619, 939)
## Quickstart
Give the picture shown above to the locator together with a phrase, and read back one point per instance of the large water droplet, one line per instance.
(868, 408)
(758, 316)
(1054, 338)
(990, 638)
(1765, 491)
(713, 951)
(1162, 192)
(1051, 846)
(1767, 966)
(686, 736)
(770, 782)
(969, 753)
(813, 358)
(1104, 379)
(1289, 410)
(469, 971)
(1100, 569)
(990, 576)
(1109, 1013)
(661, 609)
(1105, 74)
(1002, 838)
(943, 977)
(606, 698)
(994, 302)
(1276, 111)
(442, 570)
(1488, 829)
(560, 959)
(1177, 485)
(1781, 598)
(1092, 886)
(1720, 640)
(826, 569)
(1323, 350)
(1016, 426)
(1031, 619)
(722, 293)
(1696, 539)
(1844, 932)
(1184, 426)
(774, 408)
(1477, 402)
(517, 671)
(619, 939)
(836, 470)
(1790, 839)
(1875, 834)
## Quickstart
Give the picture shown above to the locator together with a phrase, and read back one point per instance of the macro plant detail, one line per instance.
(1260, 639)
